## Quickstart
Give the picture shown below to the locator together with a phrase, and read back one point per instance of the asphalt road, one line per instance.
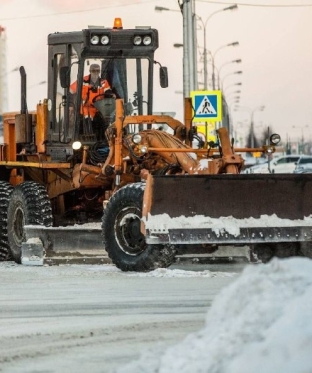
(96, 318)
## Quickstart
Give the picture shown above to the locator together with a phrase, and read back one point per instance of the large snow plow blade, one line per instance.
(228, 209)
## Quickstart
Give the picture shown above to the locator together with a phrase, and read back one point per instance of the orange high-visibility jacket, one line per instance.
(89, 91)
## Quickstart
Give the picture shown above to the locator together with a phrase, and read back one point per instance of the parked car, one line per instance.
(284, 164)
(304, 165)
(257, 168)
(280, 165)
(250, 161)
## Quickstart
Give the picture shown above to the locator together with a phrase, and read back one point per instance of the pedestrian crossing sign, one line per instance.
(207, 106)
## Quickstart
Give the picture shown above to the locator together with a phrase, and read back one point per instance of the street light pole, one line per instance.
(232, 93)
(204, 24)
(231, 85)
(229, 74)
(225, 64)
(189, 55)
(234, 44)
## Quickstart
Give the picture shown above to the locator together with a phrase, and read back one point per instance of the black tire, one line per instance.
(29, 204)
(5, 191)
(124, 243)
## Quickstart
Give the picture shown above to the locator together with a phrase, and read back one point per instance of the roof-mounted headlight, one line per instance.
(95, 40)
(104, 39)
(147, 40)
(137, 40)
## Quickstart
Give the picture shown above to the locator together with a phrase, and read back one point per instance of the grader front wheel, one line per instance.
(123, 240)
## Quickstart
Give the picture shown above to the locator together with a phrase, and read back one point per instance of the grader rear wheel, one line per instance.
(5, 192)
(29, 204)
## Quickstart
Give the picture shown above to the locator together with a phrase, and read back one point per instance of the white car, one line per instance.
(256, 169)
(304, 165)
(284, 164)
(280, 165)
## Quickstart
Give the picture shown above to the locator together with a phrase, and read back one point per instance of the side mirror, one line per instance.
(163, 77)
(65, 76)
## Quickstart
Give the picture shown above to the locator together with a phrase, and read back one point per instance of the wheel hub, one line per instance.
(18, 225)
(128, 232)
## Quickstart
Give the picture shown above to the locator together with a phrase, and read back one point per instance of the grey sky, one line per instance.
(275, 48)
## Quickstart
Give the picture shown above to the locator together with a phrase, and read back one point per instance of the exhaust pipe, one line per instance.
(24, 133)
(23, 90)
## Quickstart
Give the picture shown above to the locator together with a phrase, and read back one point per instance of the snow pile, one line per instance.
(261, 323)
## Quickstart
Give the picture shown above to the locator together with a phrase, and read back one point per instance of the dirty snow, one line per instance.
(261, 323)
(163, 222)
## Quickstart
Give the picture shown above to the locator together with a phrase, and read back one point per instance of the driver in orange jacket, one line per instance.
(92, 86)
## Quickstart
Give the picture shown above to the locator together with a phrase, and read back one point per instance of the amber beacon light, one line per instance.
(117, 23)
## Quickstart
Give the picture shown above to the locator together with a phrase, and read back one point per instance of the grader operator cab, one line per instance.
(160, 196)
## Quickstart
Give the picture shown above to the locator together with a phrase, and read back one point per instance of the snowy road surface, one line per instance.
(97, 318)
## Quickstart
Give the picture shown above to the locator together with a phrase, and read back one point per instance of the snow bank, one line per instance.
(261, 323)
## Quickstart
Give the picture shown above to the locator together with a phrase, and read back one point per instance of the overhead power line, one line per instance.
(257, 5)
(151, 1)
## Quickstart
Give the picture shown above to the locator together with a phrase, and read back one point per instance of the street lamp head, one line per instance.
(160, 8)
(237, 61)
(234, 44)
(238, 72)
(233, 92)
(178, 45)
(231, 85)
(232, 7)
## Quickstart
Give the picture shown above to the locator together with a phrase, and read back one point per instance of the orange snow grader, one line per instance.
(131, 183)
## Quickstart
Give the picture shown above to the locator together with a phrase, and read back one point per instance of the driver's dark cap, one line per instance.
(95, 68)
